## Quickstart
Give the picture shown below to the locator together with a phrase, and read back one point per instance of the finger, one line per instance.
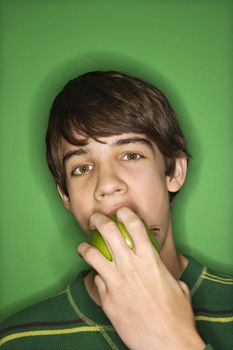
(185, 289)
(101, 286)
(135, 226)
(95, 259)
(111, 234)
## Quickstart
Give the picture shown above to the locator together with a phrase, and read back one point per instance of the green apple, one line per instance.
(97, 240)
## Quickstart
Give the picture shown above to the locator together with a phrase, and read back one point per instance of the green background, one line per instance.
(184, 47)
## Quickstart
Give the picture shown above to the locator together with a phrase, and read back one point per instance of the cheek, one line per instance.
(150, 181)
(152, 195)
(157, 199)
(80, 205)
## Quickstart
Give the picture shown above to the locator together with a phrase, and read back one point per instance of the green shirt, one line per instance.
(71, 320)
(212, 301)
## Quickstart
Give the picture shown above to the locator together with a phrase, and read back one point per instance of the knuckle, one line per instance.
(136, 224)
(122, 210)
(185, 288)
(89, 253)
(108, 226)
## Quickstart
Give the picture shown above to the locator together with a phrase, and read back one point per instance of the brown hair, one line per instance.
(104, 103)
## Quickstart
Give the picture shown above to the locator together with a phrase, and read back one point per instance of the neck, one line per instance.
(175, 262)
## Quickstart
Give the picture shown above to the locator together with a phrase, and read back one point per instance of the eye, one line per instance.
(131, 156)
(82, 169)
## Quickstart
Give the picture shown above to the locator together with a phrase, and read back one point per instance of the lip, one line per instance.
(113, 208)
(155, 229)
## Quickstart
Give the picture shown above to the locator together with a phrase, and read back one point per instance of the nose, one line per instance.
(109, 183)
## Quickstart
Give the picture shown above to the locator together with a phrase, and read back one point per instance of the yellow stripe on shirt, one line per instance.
(214, 319)
(48, 332)
(217, 280)
(224, 280)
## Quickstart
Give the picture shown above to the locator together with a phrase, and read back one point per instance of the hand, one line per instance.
(147, 306)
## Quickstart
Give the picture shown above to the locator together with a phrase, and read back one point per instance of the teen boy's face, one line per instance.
(124, 170)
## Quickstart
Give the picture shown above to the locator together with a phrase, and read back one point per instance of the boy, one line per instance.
(115, 146)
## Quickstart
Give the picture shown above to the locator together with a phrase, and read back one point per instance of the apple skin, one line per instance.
(97, 240)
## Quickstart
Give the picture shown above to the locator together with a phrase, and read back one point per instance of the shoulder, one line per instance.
(214, 281)
(39, 312)
(216, 288)
(208, 287)
(198, 276)
(45, 317)
(211, 293)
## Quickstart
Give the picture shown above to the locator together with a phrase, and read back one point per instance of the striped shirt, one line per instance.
(71, 320)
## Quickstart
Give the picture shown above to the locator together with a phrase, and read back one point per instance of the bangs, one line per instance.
(78, 129)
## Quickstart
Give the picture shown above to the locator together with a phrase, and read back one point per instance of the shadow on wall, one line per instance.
(44, 97)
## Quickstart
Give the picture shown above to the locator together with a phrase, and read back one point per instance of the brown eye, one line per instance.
(131, 156)
(82, 169)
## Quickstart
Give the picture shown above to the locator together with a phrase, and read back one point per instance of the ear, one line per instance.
(64, 197)
(176, 180)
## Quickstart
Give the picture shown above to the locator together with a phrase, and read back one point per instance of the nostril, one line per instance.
(108, 185)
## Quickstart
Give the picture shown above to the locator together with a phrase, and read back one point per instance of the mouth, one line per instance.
(155, 230)
(113, 209)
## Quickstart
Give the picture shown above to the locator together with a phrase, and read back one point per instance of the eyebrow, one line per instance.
(76, 152)
(119, 142)
(135, 139)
